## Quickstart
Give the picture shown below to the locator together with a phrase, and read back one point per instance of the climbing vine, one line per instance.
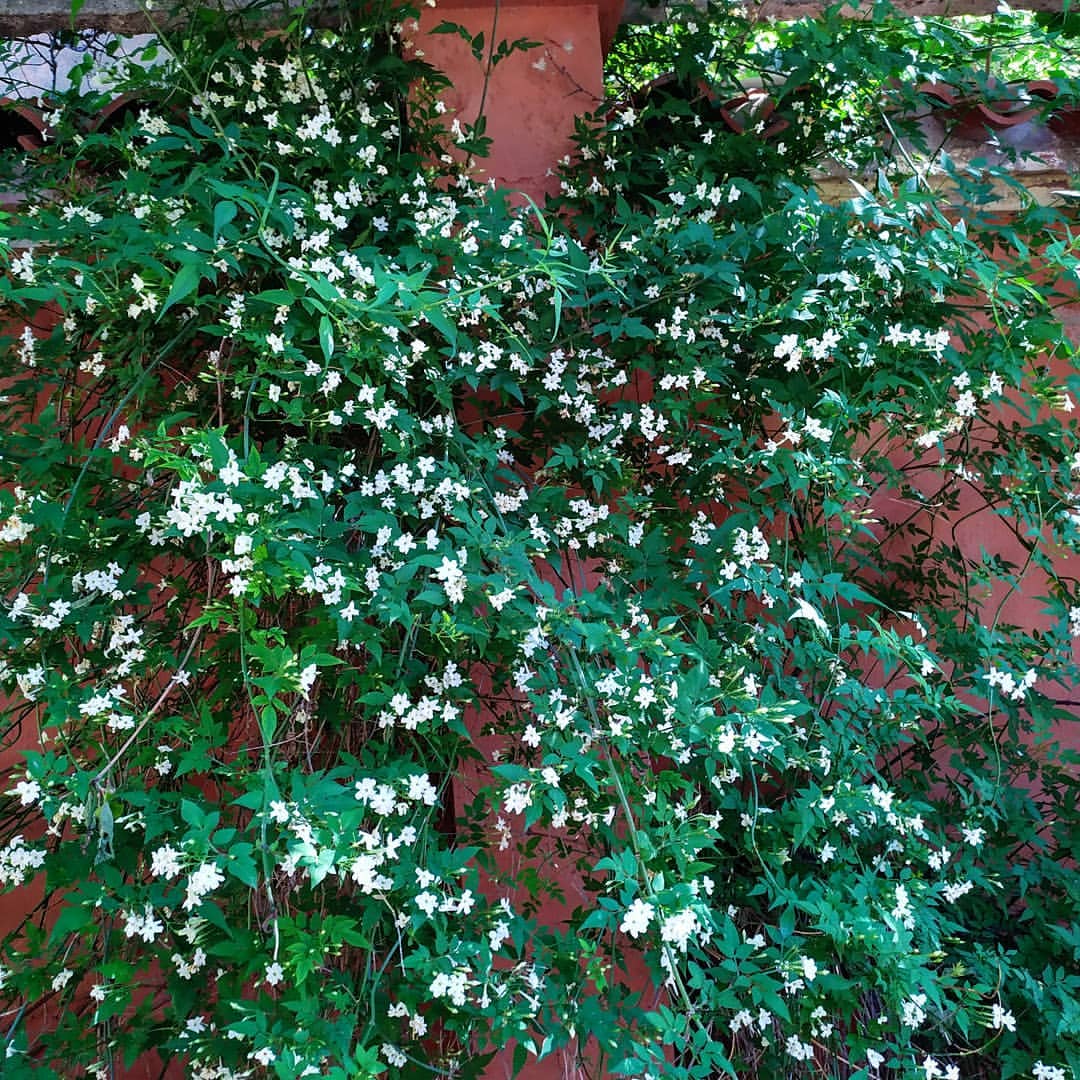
(376, 547)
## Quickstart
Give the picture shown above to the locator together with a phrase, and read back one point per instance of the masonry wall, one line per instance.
(531, 111)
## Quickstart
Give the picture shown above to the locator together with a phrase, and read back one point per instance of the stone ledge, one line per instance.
(641, 11)
(22, 18)
(1045, 187)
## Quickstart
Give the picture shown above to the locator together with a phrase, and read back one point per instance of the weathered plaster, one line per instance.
(532, 98)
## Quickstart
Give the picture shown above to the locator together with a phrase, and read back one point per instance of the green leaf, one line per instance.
(224, 212)
(326, 337)
(184, 284)
(242, 866)
(106, 826)
(521, 1055)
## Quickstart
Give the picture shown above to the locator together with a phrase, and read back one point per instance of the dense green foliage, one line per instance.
(331, 474)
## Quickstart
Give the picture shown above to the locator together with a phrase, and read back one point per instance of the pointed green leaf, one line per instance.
(224, 212)
(184, 284)
(326, 337)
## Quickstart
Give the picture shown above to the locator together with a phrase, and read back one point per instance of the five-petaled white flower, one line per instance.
(637, 918)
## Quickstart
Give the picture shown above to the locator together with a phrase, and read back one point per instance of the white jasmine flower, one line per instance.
(637, 918)
(677, 929)
(28, 792)
(204, 880)
(165, 862)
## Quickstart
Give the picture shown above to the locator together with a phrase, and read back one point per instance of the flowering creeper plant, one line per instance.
(373, 547)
